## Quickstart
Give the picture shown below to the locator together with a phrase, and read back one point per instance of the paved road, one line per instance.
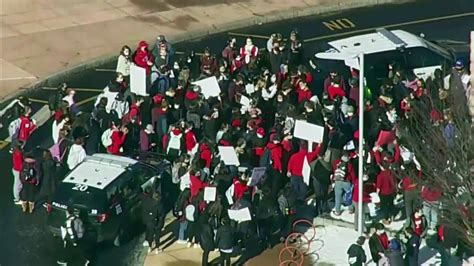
(23, 238)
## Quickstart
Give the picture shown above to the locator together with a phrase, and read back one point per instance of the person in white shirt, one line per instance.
(77, 154)
(269, 93)
(124, 62)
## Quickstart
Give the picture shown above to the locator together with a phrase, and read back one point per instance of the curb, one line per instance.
(58, 77)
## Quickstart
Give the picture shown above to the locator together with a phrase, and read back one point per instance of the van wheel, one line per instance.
(119, 238)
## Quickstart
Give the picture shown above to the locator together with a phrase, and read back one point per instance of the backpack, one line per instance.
(106, 138)
(55, 151)
(266, 159)
(347, 197)
(14, 127)
(29, 171)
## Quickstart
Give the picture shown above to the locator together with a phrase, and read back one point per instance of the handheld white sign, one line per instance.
(308, 131)
(209, 87)
(138, 80)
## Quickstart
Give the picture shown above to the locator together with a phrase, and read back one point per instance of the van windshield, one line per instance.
(81, 196)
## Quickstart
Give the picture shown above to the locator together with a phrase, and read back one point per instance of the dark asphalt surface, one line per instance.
(24, 239)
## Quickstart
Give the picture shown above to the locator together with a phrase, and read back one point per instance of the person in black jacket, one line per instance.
(225, 241)
(412, 247)
(356, 253)
(152, 217)
(206, 235)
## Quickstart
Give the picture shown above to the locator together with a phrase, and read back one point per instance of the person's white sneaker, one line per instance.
(17, 202)
(158, 250)
(189, 244)
(182, 242)
(149, 250)
(197, 246)
(146, 244)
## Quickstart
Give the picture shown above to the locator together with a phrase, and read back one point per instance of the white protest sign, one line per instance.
(257, 174)
(241, 215)
(245, 102)
(308, 131)
(138, 80)
(185, 182)
(249, 88)
(210, 193)
(306, 171)
(228, 155)
(209, 87)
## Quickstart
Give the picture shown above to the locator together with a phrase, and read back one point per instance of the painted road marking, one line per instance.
(105, 70)
(390, 26)
(86, 100)
(38, 101)
(339, 24)
(17, 78)
(76, 89)
(361, 30)
(3, 144)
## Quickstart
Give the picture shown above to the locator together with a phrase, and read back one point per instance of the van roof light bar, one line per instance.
(399, 43)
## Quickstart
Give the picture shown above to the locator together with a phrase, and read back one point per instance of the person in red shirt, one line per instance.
(411, 191)
(431, 197)
(27, 126)
(418, 223)
(196, 183)
(335, 90)
(17, 158)
(190, 140)
(303, 91)
(386, 188)
(295, 169)
(143, 57)
(133, 115)
(205, 154)
(118, 139)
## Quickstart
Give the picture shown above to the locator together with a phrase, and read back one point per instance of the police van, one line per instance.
(384, 47)
(104, 190)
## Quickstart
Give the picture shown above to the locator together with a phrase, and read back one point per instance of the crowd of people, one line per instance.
(177, 121)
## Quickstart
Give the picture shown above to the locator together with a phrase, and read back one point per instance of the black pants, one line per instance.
(386, 206)
(191, 231)
(153, 231)
(73, 254)
(205, 257)
(224, 259)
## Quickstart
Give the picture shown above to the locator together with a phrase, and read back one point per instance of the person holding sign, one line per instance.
(295, 169)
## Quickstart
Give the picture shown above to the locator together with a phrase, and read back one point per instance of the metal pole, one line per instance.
(361, 144)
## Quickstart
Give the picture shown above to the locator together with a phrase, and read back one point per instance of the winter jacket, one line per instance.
(123, 65)
(350, 175)
(145, 143)
(206, 236)
(190, 141)
(26, 128)
(295, 164)
(17, 157)
(196, 185)
(77, 155)
(304, 95)
(395, 258)
(239, 189)
(356, 255)
(174, 141)
(142, 57)
(335, 91)
(378, 244)
(118, 138)
(430, 195)
(225, 237)
(386, 182)
(276, 153)
(419, 225)
(205, 155)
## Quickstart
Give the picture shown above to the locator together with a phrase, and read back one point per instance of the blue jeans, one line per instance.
(340, 188)
(183, 225)
(430, 211)
(299, 187)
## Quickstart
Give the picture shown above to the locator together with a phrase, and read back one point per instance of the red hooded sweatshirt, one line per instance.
(118, 138)
(26, 128)
(239, 189)
(386, 182)
(190, 140)
(295, 164)
(142, 57)
(206, 154)
(304, 95)
(276, 153)
(196, 185)
(335, 91)
(430, 194)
